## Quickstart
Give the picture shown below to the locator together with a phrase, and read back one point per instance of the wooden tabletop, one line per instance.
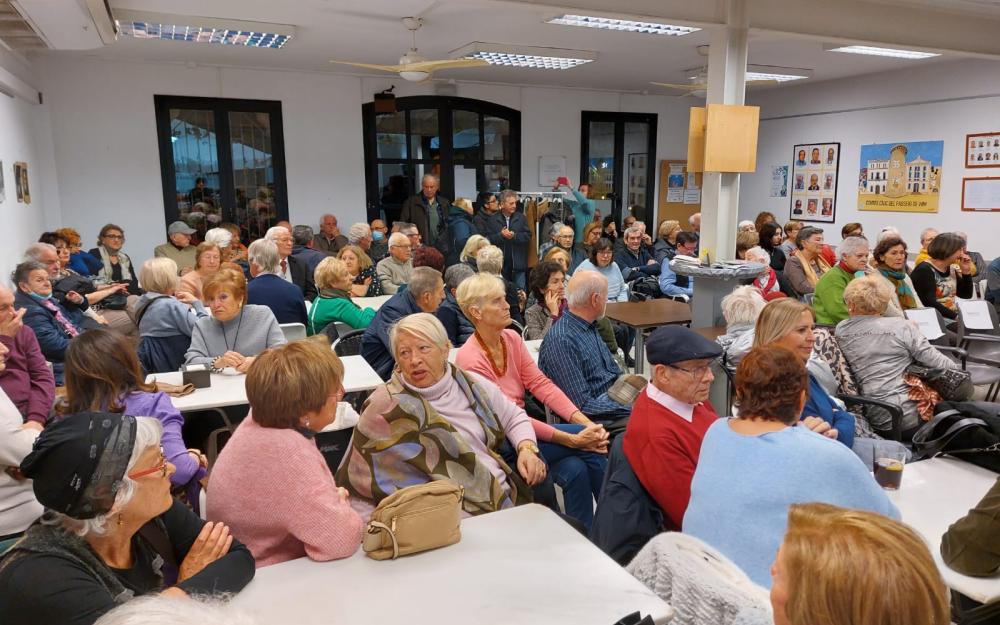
(649, 314)
(711, 333)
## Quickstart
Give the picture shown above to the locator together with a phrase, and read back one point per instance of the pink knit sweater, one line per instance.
(522, 374)
(274, 490)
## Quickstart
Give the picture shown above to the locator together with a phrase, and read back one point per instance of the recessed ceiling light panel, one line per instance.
(524, 56)
(148, 25)
(890, 52)
(775, 77)
(631, 26)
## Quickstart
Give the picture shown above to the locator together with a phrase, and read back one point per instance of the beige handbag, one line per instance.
(414, 519)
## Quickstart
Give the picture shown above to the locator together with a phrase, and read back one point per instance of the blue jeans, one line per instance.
(519, 278)
(578, 473)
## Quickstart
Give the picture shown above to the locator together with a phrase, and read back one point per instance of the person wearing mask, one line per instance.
(380, 241)
(302, 248)
(329, 240)
(673, 284)
(424, 294)
(508, 230)
(166, 317)
(208, 261)
(116, 266)
(268, 289)
(53, 325)
(334, 302)
(427, 210)
(364, 279)
(582, 206)
(396, 269)
(178, 247)
(808, 265)
(25, 377)
(945, 275)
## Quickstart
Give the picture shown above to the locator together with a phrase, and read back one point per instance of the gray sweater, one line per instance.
(167, 316)
(393, 274)
(879, 349)
(249, 333)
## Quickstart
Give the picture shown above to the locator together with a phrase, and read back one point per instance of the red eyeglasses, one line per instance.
(161, 468)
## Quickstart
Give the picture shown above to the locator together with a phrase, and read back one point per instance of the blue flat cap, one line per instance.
(672, 344)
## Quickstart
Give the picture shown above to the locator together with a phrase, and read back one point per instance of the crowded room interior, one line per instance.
(500, 311)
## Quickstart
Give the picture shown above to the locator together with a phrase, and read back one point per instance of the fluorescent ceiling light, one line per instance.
(775, 77)
(524, 56)
(631, 26)
(761, 72)
(874, 51)
(147, 25)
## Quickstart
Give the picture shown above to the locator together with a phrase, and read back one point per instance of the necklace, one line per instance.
(235, 338)
(500, 371)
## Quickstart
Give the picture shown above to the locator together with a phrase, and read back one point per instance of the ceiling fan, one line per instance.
(412, 66)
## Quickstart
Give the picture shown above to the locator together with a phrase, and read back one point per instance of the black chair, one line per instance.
(349, 344)
(331, 332)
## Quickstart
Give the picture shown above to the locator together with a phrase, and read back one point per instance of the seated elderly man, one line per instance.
(291, 269)
(178, 247)
(329, 240)
(302, 248)
(25, 377)
(268, 289)
(670, 418)
(360, 234)
(828, 300)
(425, 293)
(395, 270)
(574, 356)
(634, 260)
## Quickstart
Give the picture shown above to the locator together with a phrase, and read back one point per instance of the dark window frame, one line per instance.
(621, 190)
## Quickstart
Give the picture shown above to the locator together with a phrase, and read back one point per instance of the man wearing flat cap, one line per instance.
(669, 419)
(178, 247)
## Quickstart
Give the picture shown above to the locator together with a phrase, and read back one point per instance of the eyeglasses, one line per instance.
(115, 237)
(697, 373)
(161, 468)
(406, 247)
(604, 253)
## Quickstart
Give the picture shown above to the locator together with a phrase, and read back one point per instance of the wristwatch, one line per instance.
(533, 448)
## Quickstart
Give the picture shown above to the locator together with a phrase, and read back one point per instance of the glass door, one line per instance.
(618, 160)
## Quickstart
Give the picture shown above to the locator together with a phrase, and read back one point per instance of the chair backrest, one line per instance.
(293, 331)
(976, 317)
(349, 344)
(331, 331)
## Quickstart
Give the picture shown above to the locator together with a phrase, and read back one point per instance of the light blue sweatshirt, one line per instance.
(583, 213)
(617, 287)
(744, 485)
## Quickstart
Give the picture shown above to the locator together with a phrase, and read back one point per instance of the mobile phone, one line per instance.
(562, 180)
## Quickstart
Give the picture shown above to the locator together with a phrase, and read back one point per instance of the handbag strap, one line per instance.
(375, 526)
(933, 447)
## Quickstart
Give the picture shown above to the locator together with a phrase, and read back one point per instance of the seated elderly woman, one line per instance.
(433, 421)
(53, 325)
(808, 265)
(666, 240)
(104, 304)
(166, 317)
(102, 478)
(753, 467)
(945, 275)
(548, 287)
(223, 238)
(103, 374)
(236, 332)
(333, 304)
(364, 280)
(79, 261)
(889, 260)
(768, 283)
(490, 261)
(18, 506)
(271, 484)
(449, 313)
(500, 356)
(828, 301)
(879, 349)
(116, 266)
(601, 261)
(472, 246)
(827, 550)
(740, 309)
(208, 260)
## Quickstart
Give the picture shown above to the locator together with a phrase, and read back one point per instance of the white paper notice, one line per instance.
(927, 321)
(975, 314)
(692, 196)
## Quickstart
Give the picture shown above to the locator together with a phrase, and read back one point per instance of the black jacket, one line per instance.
(515, 251)
(635, 266)
(415, 211)
(302, 277)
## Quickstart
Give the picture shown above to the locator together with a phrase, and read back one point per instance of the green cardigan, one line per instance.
(326, 310)
(828, 300)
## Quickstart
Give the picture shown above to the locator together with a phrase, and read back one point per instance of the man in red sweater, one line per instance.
(27, 379)
(670, 417)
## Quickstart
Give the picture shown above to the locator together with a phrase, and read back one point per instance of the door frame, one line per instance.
(620, 119)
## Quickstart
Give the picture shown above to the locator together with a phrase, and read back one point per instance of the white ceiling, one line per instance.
(370, 31)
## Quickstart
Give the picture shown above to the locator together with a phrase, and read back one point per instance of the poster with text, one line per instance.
(779, 181)
(815, 168)
(901, 177)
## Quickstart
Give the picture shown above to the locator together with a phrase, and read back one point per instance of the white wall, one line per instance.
(898, 107)
(108, 165)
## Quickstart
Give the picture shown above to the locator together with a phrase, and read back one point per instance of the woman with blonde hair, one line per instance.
(490, 261)
(364, 280)
(561, 256)
(838, 566)
(666, 240)
(333, 303)
(475, 243)
(208, 260)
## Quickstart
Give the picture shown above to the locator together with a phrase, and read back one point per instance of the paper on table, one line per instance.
(975, 314)
(927, 321)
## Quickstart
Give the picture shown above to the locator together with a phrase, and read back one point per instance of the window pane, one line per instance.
(601, 167)
(497, 177)
(395, 184)
(196, 163)
(390, 135)
(636, 163)
(465, 136)
(466, 184)
(254, 209)
(496, 138)
(424, 137)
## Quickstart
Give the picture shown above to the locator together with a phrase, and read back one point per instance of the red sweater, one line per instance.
(27, 379)
(662, 447)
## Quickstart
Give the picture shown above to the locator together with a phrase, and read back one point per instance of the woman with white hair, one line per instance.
(879, 349)
(222, 238)
(160, 610)
(489, 260)
(111, 530)
(433, 421)
(768, 282)
(166, 317)
(740, 310)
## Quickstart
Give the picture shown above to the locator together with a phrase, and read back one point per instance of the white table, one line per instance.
(230, 390)
(533, 347)
(523, 565)
(371, 302)
(934, 494)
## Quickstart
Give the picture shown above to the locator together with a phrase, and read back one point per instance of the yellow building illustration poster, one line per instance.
(902, 177)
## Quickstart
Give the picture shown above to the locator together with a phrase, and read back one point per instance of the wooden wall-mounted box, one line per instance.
(731, 138)
(696, 140)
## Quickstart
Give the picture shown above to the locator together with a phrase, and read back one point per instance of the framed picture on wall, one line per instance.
(982, 150)
(815, 168)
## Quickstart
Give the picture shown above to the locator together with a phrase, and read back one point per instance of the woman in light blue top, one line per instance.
(601, 255)
(752, 468)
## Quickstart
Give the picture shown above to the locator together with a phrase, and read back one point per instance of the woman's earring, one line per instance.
(120, 521)
(307, 423)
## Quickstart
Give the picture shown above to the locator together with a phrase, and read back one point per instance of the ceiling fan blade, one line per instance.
(688, 87)
(395, 69)
(433, 66)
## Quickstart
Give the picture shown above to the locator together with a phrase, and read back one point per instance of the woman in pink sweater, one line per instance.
(576, 451)
(271, 485)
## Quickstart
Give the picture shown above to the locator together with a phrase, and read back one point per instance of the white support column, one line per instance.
(727, 65)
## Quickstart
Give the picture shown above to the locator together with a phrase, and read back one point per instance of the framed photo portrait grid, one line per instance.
(813, 182)
(982, 150)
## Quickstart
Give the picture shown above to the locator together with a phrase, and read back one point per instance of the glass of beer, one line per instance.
(889, 468)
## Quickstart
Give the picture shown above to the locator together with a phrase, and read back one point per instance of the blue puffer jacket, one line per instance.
(52, 338)
(455, 323)
(460, 228)
(375, 341)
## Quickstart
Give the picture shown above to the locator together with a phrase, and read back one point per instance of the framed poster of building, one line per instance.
(901, 177)
(815, 168)
(982, 150)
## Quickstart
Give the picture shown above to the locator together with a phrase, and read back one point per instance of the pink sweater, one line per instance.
(522, 374)
(274, 490)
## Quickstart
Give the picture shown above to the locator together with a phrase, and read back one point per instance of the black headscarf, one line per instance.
(78, 463)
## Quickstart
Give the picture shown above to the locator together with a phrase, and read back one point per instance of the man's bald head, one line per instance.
(588, 295)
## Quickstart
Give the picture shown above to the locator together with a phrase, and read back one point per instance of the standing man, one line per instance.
(583, 208)
(329, 240)
(178, 247)
(488, 206)
(290, 268)
(508, 230)
(427, 210)
(302, 248)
